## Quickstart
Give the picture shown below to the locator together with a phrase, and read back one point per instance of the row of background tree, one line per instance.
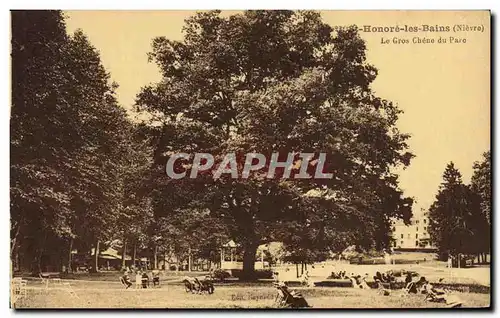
(83, 174)
(460, 217)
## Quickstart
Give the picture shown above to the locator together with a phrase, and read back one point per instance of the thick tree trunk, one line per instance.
(124, 253)
(297, 269)
(189, 259)
(249, 262)
(70, 268)
(301, 268)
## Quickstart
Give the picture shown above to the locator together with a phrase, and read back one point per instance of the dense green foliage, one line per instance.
(459, 217)
(75, 156)
(277, 81)
(85, 177)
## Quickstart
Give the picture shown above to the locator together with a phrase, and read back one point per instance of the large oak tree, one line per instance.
(277, 81)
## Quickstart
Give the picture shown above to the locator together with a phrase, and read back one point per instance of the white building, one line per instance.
(414, 235)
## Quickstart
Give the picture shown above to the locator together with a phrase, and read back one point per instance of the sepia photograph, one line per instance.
(258, 159)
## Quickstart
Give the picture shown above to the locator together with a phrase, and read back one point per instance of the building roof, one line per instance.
(111, 253)
(230, 244)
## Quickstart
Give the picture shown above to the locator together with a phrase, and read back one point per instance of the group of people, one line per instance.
(388, 277)
(359, 281)
(142, 279)
(432, 293)
(338, 275)
(420, 286)
(199, 286)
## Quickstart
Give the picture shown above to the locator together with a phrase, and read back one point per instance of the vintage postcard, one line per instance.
(250, 159)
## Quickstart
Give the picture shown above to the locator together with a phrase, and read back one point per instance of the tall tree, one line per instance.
(451, 216)
(275, 81)
(104, 128)
(67, 132)
(41, 126)
(481, 185)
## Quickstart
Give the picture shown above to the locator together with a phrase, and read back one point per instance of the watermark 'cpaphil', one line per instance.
(293, 166)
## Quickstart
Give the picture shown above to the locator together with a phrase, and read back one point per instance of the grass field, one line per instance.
(103, 290)
(93, 294)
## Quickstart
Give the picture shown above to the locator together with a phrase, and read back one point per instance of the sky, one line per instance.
(443, 89)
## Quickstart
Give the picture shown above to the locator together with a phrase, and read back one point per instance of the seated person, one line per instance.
(125, 280)
(358, 282)
(408, 279)
(190, 284)
(434, 294)
(381, 288)
(156, 278)
(390, 276)
(384, 278)
(362, 282)
(198, 284)
(145, 280)
(415, 287)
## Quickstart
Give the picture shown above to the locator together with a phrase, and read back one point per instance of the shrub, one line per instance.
(264, 273)
(259, 273)
(221, 275)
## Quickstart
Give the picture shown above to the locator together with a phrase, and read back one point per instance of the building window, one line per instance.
(409, 235)
(416, 235)
(401, 243)
(417, 228)
(416, 222)
(416, 243)
(401, 235)
(394, 229)
(425, 228)
(425, 221)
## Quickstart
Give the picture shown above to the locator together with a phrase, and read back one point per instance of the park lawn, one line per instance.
(109, 295)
